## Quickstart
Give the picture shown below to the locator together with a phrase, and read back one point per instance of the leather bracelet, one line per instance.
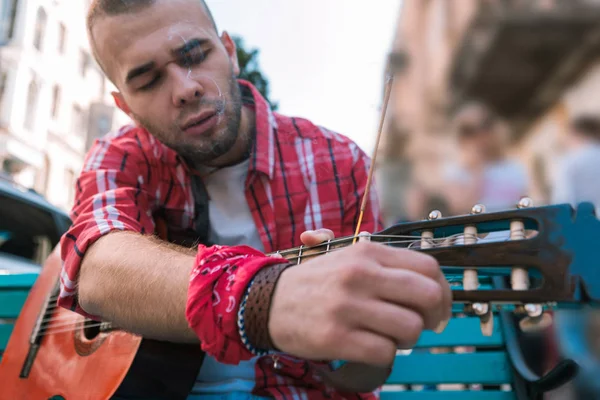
(255, 316)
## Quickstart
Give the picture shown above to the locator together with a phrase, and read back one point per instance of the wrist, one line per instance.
(255, 309)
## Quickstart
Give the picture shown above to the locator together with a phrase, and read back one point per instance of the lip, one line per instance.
(200, 123)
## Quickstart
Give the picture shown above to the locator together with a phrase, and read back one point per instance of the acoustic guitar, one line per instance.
(548, 255)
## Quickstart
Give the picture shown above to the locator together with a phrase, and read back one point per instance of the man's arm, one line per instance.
(115, 269)
(143, 291)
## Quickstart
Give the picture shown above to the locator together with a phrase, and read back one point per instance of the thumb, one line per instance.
(313, 238)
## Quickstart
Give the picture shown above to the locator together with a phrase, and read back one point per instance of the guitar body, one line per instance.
(85, 363)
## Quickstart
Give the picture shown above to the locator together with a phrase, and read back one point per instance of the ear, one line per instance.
(231, 51)
(120, 102)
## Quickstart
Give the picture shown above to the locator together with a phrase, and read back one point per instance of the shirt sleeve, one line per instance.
(111, 195)
(218, 283)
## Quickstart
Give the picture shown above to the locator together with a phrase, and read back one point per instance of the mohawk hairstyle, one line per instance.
(101, 8)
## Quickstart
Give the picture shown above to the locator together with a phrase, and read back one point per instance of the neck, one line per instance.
(303, 253)
(241, 147)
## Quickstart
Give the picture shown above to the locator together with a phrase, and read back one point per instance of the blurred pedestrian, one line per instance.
(483, 173)
(576, 181)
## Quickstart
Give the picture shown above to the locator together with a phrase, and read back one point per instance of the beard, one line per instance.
(213, 144)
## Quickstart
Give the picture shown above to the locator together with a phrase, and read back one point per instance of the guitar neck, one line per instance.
(304, 253)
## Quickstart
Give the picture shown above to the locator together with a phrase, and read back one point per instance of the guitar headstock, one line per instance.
(550, 253)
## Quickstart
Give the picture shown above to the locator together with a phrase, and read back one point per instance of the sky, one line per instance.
(324, 59)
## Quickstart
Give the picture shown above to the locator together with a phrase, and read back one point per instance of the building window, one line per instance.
(32, 100)
(40, 27)
(55, 101)
(8, 16)
(84, 62)
(78, 123)
(62, 38)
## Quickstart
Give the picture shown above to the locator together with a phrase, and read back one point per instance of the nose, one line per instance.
(186, 90)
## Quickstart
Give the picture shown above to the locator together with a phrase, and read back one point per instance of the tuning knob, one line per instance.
(486, 319)
(471, 280)
(478, 209)
(427, 236)
(525, 202)
(435, 214)
(536, 320)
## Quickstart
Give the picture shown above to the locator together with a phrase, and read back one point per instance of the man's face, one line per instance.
(476, 134)
(175, 76)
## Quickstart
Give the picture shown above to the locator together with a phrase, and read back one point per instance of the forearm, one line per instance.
(139, 284)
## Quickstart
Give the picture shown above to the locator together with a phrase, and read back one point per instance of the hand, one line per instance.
(358, 304)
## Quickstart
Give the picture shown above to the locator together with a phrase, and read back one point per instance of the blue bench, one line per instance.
(448, 374)
(14, 289)
(433, 370)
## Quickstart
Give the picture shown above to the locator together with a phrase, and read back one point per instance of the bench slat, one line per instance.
(5, 331)
(462, 332)
(424, 368)
(449, 395)
(11, 302)
(17, 280)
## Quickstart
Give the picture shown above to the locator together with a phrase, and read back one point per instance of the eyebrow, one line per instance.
(190, 45)
(149, 66)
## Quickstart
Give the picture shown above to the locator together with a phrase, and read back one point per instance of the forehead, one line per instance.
(131, 39)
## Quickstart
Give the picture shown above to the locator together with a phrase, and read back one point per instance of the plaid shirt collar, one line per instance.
(262, 155)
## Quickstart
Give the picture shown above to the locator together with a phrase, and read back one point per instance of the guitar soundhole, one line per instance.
(91, 330)
(88, 338)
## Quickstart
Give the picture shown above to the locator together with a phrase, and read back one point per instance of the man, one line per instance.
(484, 173)
(207, 160)
(576, 181)
(576, 174)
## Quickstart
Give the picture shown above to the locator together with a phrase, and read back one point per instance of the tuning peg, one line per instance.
(536, 320)
(478, 209)
(471, 280)
(486, 320)
(525, 202)
(427, 236)
(435, 214)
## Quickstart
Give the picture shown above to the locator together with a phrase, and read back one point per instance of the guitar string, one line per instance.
(49, 328)
(48, 323)
(416, 240)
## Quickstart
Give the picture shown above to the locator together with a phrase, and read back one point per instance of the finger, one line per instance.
(398, 258)
(367, 347)
(446, 304)
(313, 238)
(402, 324)
(412, 290)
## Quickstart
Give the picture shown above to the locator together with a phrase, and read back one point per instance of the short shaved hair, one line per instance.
(102, 8)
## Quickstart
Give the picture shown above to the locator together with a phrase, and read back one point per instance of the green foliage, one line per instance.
(250, 70)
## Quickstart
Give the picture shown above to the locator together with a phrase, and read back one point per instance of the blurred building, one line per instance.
(54, 99)
(535, 62)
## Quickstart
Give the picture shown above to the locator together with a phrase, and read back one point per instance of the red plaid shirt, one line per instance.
(301, 177)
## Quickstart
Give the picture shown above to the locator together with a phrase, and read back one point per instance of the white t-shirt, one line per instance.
(231, 223)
